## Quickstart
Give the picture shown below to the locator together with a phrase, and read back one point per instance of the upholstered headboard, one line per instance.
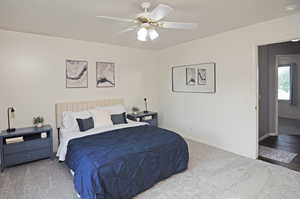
(81, 106)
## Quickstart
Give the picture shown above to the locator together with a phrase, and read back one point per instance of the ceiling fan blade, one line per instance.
(177, 25)
(116, 19)
(160, 12)
(132, 28)
(128, 29)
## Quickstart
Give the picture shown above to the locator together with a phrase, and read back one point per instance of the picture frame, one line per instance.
(76, 73)
(190, 76)
(105, 75)
(205, 81)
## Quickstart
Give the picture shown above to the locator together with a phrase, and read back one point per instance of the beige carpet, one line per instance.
(212, 174)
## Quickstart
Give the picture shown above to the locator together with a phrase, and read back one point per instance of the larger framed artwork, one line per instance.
(196, 78)
(105, 74)
(76, 74)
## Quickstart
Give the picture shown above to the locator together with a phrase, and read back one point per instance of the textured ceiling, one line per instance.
(76, 19)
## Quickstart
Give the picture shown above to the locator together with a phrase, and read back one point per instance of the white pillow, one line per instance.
(115, 109)
(69, 119)
(101, 118)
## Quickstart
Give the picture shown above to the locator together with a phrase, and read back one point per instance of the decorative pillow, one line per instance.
(85, 124)
(115, 109)
(69, 119)
(101, 118)
(119, 118)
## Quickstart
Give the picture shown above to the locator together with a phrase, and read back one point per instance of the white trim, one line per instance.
(276, 96)
(266, 136)
(256, 61)
(256, 66)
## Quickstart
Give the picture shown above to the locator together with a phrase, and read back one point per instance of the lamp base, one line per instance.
(146, 111)
(11, 130)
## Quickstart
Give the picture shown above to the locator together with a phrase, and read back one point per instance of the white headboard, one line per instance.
(81, 106)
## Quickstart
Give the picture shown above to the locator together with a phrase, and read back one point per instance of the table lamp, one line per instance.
(10, 113)
(146, 110)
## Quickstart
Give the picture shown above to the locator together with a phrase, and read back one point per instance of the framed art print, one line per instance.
(105, 74)
(76, 74)
(190, 76)
(196, 78)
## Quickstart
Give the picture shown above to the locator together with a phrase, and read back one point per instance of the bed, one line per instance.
(118, 161)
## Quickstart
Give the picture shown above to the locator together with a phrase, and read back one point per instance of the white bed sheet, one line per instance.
(66, 136)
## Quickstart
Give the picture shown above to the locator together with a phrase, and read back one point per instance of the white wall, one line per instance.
(32, 75)
(32, 79)
(227, 119)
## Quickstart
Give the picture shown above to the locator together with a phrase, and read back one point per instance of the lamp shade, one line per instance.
(153, 34)
(142, 34)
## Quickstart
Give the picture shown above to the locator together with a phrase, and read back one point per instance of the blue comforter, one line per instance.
(122, 163)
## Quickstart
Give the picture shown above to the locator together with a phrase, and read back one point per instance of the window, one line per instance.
(284, 83)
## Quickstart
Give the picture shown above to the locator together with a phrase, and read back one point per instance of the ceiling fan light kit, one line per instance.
(147, 22)
(142, 34)
(153, 34)
(145, 33)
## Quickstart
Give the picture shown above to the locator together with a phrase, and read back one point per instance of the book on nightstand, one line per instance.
(14, 140)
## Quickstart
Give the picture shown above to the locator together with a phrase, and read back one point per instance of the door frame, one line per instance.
(256, 63)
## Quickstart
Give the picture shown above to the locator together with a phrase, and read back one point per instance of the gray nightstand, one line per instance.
(32, 148)
(142, 117)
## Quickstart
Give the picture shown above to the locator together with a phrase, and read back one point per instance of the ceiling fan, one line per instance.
(148, 22)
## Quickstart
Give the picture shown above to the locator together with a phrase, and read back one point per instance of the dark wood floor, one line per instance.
(289, 143)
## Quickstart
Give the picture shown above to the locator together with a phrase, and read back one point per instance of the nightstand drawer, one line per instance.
(149, 117)
(27, 156)
(26, 146)
(152, 122)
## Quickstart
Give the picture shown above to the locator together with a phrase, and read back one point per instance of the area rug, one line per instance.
(275, 154)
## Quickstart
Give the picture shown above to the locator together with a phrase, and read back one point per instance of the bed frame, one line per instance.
(80, 106)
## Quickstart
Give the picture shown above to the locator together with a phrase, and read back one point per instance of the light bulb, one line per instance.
(153, 34)
(142, 34)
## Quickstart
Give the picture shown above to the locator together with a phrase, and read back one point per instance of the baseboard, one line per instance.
(266, 136)
(193, 138)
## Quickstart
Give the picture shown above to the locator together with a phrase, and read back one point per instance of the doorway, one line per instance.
(279, 104)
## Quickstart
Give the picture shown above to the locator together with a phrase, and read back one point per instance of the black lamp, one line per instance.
(9, 111)
(145, 111)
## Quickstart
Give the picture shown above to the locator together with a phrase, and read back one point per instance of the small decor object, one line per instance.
(146, 108)
(76, 74)
(10, 115)
(197, 78)
(38, 121)
(135, 110)
(105, 74)
(190, 76)
(44, 135)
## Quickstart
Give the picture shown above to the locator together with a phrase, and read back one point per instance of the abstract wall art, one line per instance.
(105, 74)
(196, 78)
(76, 74)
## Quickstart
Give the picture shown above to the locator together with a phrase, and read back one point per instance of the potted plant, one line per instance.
(38, 121)
(135, 110)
